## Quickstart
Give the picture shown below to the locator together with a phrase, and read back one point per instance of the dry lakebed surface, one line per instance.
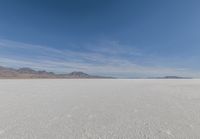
(100, 109)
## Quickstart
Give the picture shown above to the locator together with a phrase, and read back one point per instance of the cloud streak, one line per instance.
(109, 59)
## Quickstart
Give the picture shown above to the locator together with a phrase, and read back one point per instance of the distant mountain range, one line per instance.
(28, 73)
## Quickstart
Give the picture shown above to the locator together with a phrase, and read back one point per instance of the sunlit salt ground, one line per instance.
(99, 109)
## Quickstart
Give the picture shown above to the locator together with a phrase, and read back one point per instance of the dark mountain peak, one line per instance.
(78, 74)
(26, 70)
(171, 77)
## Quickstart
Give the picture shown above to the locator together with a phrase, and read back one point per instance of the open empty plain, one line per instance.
(100, 109)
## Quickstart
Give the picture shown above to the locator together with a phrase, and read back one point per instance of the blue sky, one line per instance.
(122, 38)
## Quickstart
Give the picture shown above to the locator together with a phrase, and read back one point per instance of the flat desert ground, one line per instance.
(100, 109)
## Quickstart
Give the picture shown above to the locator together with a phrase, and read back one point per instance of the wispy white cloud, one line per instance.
(107, 59)
(114, 48)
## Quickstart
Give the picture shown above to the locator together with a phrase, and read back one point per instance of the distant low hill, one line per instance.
(28, 73)
(173, 77)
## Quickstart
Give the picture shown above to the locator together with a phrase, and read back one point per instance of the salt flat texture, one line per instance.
(99, 109)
